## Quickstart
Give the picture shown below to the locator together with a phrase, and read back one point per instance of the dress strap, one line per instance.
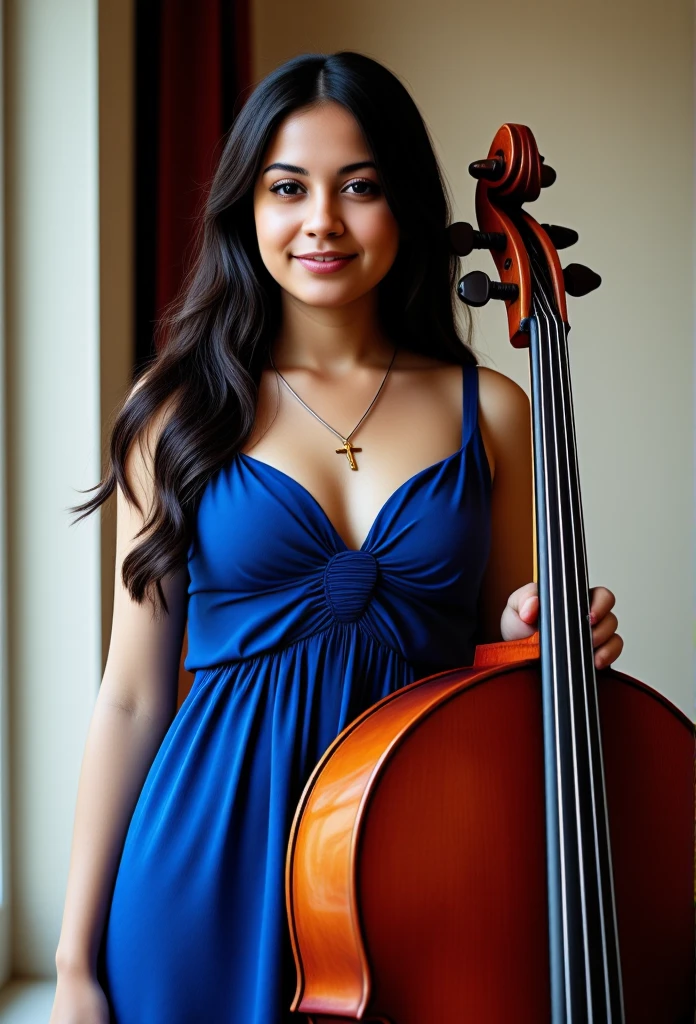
(469, 401)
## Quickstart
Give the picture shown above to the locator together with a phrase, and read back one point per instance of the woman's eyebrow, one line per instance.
(292, 169)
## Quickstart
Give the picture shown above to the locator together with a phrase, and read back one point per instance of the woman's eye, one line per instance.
(372, 187)
(363, 187)
(283, 185)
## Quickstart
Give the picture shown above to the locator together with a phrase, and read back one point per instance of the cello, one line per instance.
(510, 842)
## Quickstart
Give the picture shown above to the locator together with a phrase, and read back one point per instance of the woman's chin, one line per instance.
(325, 298)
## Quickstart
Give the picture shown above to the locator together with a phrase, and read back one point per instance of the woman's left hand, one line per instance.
(519, 620)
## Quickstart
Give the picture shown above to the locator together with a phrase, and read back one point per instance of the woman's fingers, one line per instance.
(521, 614)
(606, 642)
(529, 609)
(604, 629)
(602, 601)
(525, 602)
(608, 652)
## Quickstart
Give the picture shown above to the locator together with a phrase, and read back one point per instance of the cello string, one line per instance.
(559, 598)
(543, 400)
(584, 632)
(557, 340)
(592, 714)
(561, 459)
(556, 861)
(549, 438)
(589, 689)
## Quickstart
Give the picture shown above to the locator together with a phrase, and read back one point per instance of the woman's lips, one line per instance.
(324, 266)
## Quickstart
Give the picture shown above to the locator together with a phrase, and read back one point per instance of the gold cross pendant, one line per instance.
(348, 450)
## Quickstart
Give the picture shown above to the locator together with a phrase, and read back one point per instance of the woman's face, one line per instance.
(326, 198)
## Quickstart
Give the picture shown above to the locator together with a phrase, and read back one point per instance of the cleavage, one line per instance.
(396, 444)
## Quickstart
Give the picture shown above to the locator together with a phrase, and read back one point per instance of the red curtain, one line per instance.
(193, 71)
(190, 127)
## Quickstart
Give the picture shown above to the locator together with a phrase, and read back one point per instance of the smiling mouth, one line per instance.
(324, 265)
(326, 259)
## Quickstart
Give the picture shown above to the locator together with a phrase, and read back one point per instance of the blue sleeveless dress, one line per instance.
(291, 635)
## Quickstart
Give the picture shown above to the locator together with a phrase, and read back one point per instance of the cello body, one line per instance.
(510, 842)
(416, 868)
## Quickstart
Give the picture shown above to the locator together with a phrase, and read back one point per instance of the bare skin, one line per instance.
(334, 355)
(134, 707)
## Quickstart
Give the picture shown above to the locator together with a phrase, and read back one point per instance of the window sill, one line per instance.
(26, 1001)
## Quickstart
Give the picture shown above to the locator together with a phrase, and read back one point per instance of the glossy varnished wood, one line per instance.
(417, 866)
(520, 183)
(433, 800)
(512, 262)
(506, 652)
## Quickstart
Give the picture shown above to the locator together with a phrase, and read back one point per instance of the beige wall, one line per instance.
(116, 266)
(69, 345)
(53, 442)
(607, 90)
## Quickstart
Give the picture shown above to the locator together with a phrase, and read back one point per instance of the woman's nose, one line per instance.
(323, 216)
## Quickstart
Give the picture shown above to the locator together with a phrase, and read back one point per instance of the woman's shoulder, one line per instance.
(410, 360)
(499, 396)
(161, 414)
(139, 459)
(499, 393)
(504, 415)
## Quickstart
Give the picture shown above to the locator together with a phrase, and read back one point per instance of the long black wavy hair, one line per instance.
(213, 339)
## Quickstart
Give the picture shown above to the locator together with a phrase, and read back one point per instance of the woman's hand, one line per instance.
(79, 999)
(519, 620)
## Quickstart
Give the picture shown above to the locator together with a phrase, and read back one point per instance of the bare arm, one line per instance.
(135, 705)
(507, 590)
(506, 430)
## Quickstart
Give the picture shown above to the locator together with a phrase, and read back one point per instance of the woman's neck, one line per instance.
(329, 339)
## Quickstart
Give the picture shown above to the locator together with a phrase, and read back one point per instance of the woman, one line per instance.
(315, 466)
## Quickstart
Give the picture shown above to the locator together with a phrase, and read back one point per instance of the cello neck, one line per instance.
(585, 963)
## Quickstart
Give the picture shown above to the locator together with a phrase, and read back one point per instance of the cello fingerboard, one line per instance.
(585, 961)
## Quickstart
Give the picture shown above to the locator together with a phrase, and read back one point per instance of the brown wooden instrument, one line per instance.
(512, 842)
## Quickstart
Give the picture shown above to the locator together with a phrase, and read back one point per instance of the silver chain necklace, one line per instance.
(347, 448)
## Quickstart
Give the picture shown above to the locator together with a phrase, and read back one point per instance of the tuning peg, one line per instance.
(477, 288)
(580, 280)
(548, 176)
(561, 237)
(491, 170)
(464, 239)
